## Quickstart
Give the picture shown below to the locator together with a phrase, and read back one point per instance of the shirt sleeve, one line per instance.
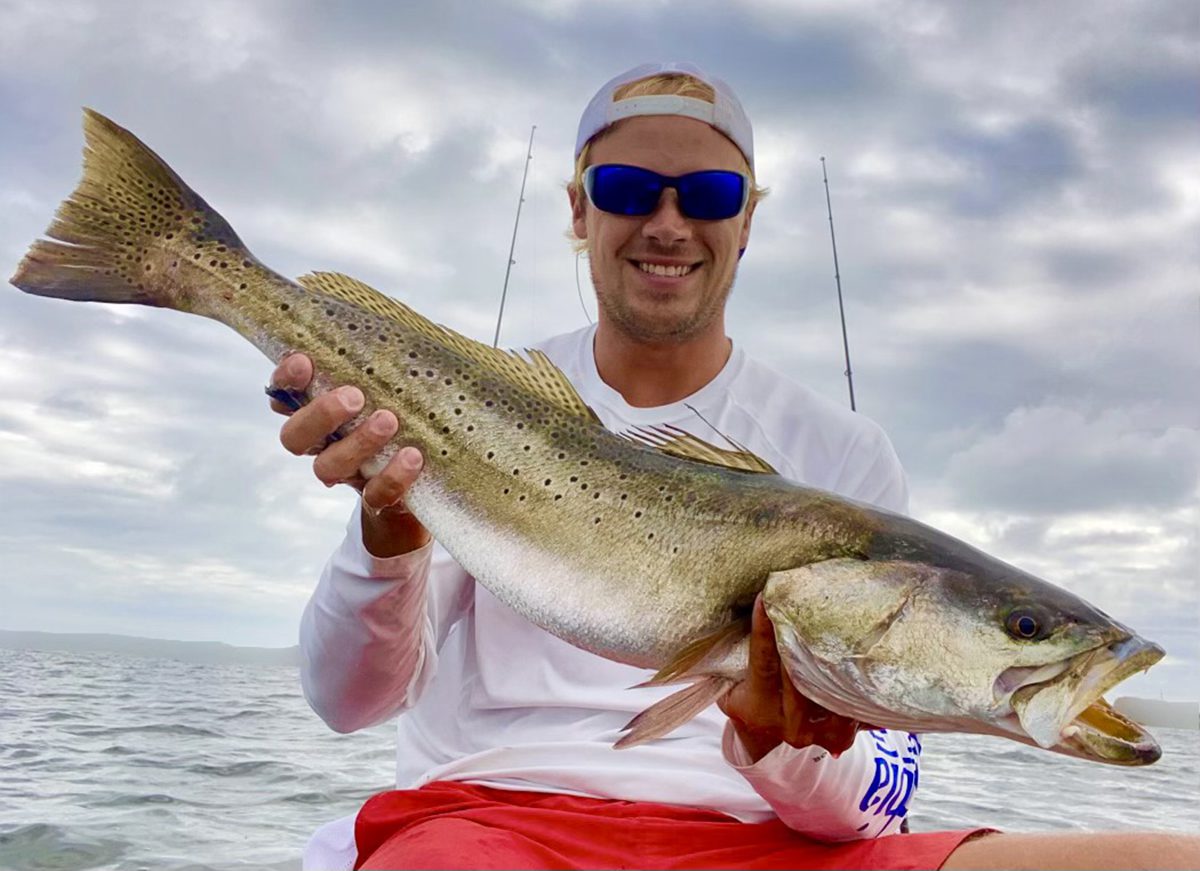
(863, 793)
(370, 632)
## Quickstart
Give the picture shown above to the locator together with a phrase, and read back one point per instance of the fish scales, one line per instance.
(647, 548)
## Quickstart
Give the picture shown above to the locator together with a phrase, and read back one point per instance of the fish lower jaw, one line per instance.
(1099, 733)
(1103, 733)
(1083, 723)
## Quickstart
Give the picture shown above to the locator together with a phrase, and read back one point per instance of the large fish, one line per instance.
(646, 548)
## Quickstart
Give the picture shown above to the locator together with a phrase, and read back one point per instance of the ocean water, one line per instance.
(122, 762)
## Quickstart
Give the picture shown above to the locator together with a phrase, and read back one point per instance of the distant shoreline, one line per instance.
(198, 652)
(1159, 712)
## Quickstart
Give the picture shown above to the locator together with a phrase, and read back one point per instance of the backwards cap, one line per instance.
(725, 114)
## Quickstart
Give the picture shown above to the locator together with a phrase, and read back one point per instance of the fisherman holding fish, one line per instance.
(506, 733)
(636, 505)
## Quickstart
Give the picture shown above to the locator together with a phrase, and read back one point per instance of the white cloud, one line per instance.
(364, 233)
(206, 41)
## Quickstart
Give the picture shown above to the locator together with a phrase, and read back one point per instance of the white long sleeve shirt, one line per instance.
(485, 696)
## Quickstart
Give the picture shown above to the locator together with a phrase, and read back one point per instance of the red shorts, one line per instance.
(460, 825)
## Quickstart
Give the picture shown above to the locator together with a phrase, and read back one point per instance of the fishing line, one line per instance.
(736, 444)
(579, 289)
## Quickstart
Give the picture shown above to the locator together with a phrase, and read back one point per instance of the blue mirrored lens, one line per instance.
(624, 190)
(710, 195)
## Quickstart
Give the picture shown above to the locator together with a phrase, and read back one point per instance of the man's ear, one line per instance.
(578, 210)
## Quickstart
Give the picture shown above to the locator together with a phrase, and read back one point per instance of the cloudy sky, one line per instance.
(1016, 188)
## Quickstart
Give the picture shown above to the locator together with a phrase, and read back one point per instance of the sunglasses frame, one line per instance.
(666, 181)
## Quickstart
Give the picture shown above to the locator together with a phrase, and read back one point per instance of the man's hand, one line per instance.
(767, 709)
(388, 528)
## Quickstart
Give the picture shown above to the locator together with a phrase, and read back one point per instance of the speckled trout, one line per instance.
(648, 548)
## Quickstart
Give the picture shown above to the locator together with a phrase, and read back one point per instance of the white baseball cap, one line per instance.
(726, 114)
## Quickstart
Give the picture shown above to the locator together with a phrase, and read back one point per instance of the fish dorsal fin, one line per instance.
(681, 443)
(535, 374)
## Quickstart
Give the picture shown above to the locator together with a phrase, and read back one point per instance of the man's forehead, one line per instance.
(678, 144)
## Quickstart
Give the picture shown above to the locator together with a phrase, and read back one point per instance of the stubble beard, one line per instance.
(673, 330)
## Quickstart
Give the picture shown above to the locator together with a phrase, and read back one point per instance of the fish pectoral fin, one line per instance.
(707, 649)
(680, 443)
(672, 712)
(534, 372)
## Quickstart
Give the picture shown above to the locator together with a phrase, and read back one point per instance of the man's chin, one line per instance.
(665, 333)
(655, 317)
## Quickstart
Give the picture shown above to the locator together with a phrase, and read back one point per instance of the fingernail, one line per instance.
(411, 458)
(352, 398)
(293, 367)
(380, 423)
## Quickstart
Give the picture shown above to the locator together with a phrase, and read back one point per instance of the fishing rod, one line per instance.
(513, 246)
(837, 276)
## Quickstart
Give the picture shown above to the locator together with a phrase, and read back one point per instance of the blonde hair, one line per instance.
(672, 84)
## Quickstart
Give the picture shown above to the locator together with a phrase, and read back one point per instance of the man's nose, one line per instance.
(667, 225)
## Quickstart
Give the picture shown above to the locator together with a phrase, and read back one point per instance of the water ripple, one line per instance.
(150, 728)
(237, 769)
(42, 847)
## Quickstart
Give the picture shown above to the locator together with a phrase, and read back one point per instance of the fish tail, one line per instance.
(127, 230)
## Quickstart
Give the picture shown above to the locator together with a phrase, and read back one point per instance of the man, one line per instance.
(505, 732)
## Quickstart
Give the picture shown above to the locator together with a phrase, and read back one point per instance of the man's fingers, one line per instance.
(790, 715)
(764, 654)
(797, 731)
(836, 734)
(293, 373)
(806, 722)
(387, 489)
(341, 460)
(309, 427)
(840, 738)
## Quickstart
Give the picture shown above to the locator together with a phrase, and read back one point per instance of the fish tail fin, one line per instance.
(124, 232)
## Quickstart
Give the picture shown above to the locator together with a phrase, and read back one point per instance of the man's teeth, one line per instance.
(659, 269)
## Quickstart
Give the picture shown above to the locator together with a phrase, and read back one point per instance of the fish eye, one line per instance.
(1024, 625)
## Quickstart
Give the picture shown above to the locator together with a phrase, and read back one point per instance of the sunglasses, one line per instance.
(709, 195)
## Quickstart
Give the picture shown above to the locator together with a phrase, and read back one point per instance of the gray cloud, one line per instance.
(1009, 168)
(1058, 459)
(1084, 267)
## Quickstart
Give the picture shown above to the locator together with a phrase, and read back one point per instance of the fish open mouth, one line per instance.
(1065, 710)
